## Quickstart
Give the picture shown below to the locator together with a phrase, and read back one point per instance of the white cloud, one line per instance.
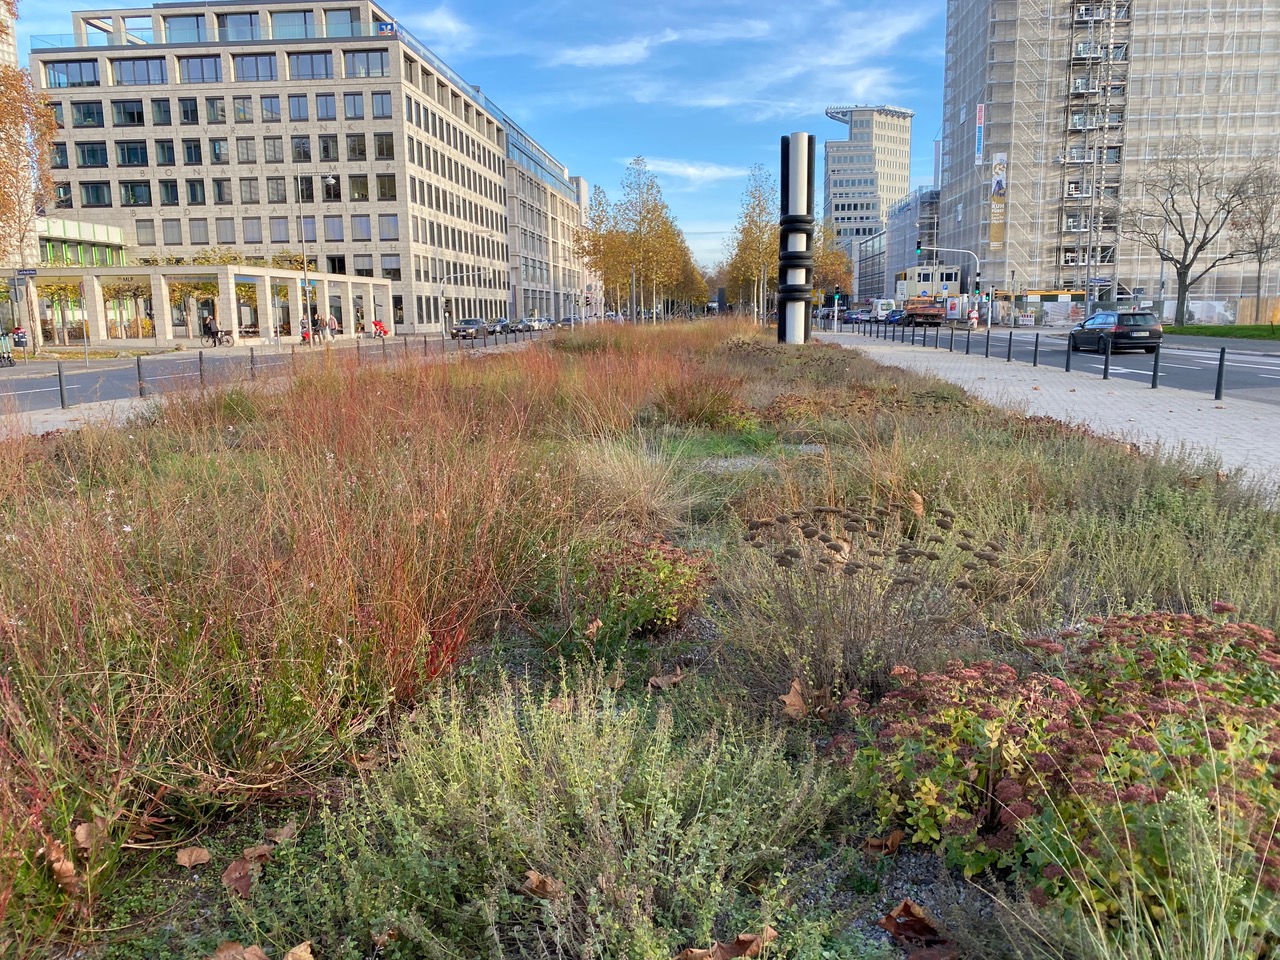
(624, 53)
(443, 30)
(695, 173)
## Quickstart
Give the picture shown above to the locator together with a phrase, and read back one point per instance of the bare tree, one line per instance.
(1185, 201)
(1255, 226)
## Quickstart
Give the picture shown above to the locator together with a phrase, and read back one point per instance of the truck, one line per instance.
(923, 312)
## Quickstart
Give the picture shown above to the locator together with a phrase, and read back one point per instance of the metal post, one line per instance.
(1106, 361)
(141, 384)
(384, 349)
(795, 239)
(986, 345)
(1222, 371)
(951, 344)
(1035, 352)
(1069, 352)
(357, 351)
(968, 337)
(1008, 356)
(425, 349)
(253, 365)
(406, 346)
(62, 387)
(1155, 368)
(200, 357)
(937, 337)
(913, 336)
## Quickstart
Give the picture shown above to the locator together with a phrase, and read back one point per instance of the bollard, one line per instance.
(913, 336)
(1069, 352)
(1035, 351)
(1008, 354)
(1222, 374)
(951, 343)
(968, 337)
(62, 386)
(357, 352)
(384, 349)
(142, 392)
(253, 365)
(937, 337)
(406, 347)
(293, 355)
(986, 346)
(201, 365)
(1106, 360)
(425, 348)
(1155, 368)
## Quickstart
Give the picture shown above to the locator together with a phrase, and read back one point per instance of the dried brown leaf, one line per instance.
(907, 921)
(541, 886)
(287, 832)
(193, 856)
(743, 945)
(301, 952)
(917, 503)
(91, 833)
(233, 950)
(593, 628)
(238, 877)
(667, 681)
(884, 845)
(64, 869)
(259, 853)
(793, 705)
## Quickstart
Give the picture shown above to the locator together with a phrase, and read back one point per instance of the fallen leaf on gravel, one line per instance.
(301, 952)
(193, 856)
(238, 877)
(287, 832)
(907, 922)
(89, 834)
(233, 950)
(743, 945)
(259, 853)
(541, 886)
(793, 705)
(884, 845)
(666, 682)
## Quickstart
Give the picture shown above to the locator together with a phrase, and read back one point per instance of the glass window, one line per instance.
(140, 72)
(273, 149)
(219, 150)
(386, 187)
(384, 146)
(87, 114)
(301, 149)
(367, 63)
(249, 190)
(221, 190)
(187, 112)
(168, 193)
(252, 227)
(328, 146)
(73, 73)
(341, 23)
(127, 113)
(388, 226)
(310, 66)
(189, 29)
(270, 108)
(279, 229)
(172, 230)
(164, 153)
(242, 109)
(135, 193)
(226, 228)
(275, 190)
(198, 229)
(304, 189)
(309, 229)
(238, 26)
(145, 232)
(353, 105)
(293, 25)
(245, 150)
(359, 184)
(192, 153)
(195, 193)
(361, 227)
(93, 154)
(298, 106)
(355, 147)
(58, 156)
(254, 66)
(131, 153)
(62, 196)
(215, 109)
(333, 228)
(362, 264)
(95, 194)
(326, 106)
(56, 107)
(200, 69)
(391, 266)
(381, 105)
(161, 115)
(332, 188)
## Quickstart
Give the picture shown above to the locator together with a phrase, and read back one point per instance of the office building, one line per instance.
(1054, 111)
(866, 173)
(306, 128)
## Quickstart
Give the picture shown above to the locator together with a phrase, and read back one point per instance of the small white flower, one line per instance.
(127, 529)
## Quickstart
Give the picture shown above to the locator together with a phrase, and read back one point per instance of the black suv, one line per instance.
(1118, 330)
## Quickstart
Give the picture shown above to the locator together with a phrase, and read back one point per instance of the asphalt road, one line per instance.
(1251, 370)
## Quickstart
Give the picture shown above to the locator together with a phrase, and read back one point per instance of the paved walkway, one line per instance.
(1243, 435)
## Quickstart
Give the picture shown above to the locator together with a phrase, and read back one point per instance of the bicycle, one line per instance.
(219, 339)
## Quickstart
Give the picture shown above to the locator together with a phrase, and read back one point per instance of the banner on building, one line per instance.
(980, 115)
(999, 191)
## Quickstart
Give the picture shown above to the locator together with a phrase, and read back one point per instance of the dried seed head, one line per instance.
(968, 534)
(782, 518)
(833, 546)
(934, 538)
(964, 545)
(944, 523)
(882, 511)
(970, 565)
(933, 555)
(825, 537)
(986, 555)
(758, 544)
(785, 562)
(793, 552)
(963, 585)
(809, 532)
(944, 512)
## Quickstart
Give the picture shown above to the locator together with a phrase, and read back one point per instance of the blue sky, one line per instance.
(701, 89)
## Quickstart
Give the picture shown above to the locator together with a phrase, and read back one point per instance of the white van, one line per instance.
(882, 308)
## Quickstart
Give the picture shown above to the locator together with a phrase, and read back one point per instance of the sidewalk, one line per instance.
(1242, 435)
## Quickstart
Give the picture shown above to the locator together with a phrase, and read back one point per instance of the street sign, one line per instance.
(944, 288)
(1100, 281)
(27, 272)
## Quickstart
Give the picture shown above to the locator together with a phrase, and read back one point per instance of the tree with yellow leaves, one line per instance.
(27, 129)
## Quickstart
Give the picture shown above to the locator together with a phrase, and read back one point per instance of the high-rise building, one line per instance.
(867, 173)
(321, 130)
(1055, 109)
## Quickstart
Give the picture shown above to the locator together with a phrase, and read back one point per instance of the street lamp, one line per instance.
(977, 270)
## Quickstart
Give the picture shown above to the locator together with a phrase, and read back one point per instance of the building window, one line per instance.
(252, 227)
(341, 23)
(326, 106)
(96, 194)
(249, 190)
(391, 266)
(279, 229)
(388, 226)
(219, 150)
(384, 146)
(195, 193)
(308, 229)
(192, 153)
(362, 264)
(144, 232)
(293, 26)
(328, 146)
(361, 227)
(301, 149)
(270, 108)
(187, 112)
(87, 114)
(310, 66)
(331, 188)
(189, 29)
(172, 232)
(58, 156)
(221, 191)
(92, 154)
(298, 107)
(238, 26)
(135, 193)
(304, 189)
(127, 113)
(254, 67)
(275, 190)
(226, 229)
(333, 228)
(138, 73)
(62, 196)
(198, 229)
(386, 187)
(367, 63)
(246, 151)
(161, 115)
(242, 109)
(131, 153)
(168, 193)
(273, 149)
(353, 106)
(74, 73)
(359, 184)
(356, 147)
(215, 110)
(381, 105)
(200, 69)
(56, 107)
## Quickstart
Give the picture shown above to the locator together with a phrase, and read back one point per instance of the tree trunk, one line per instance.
(1257, 286)
(1180, 312)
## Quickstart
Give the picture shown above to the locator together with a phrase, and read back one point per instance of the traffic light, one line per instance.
(986, 297)
(837, 294)
(919, 246)
(977, 283)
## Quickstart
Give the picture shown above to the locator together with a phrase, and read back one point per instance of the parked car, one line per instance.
(1119, 330)
(522, 326)
(500, 325)
(469, 329)
(537, 323)
(863, 315)
(894, 316)
(567, 322)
